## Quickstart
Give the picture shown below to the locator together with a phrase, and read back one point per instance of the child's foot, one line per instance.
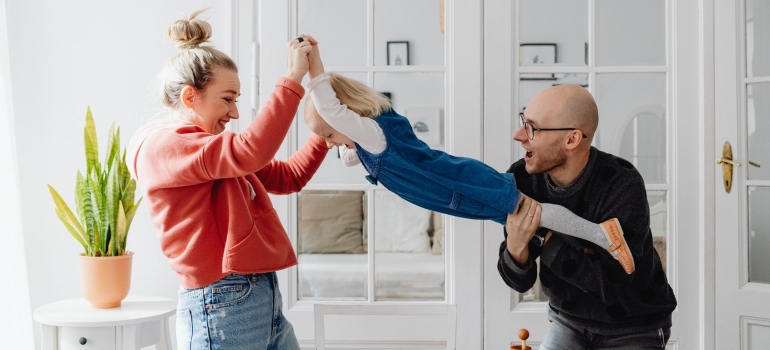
(618, 247)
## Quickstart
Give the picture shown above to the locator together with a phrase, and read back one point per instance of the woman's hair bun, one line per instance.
(189, 33)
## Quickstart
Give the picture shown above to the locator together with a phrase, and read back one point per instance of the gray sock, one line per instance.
(559, 219)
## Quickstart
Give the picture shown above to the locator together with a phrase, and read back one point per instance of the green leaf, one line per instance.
(130, 216)
(91, 144)
(121, 230)
(67, 217)
(73, 231)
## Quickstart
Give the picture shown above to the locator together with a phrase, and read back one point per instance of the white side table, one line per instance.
(73, 324)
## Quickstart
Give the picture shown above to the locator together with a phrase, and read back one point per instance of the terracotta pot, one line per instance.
(105, 281)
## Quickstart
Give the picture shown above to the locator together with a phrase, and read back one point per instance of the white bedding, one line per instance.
(398, 276)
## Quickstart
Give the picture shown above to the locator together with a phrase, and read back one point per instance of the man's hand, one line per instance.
(521, 226)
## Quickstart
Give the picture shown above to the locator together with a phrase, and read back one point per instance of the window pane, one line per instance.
(408, 260)
(759, 234)
(416, 21)
(566, 27)
(412, 90)
(330, 247)
(632, 121)
(341, 45)
(757, 37)
(630, 32)
(758, 115)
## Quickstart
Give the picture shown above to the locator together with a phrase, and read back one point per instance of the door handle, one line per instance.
(727, 165)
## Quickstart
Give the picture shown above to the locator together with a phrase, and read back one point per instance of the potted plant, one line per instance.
(104, 201)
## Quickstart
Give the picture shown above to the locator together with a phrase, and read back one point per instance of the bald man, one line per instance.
(593, 303)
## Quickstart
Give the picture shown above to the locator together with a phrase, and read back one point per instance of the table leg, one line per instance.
(165, 338)
(48, 341)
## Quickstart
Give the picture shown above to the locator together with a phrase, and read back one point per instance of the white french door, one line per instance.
(742, 121)
(640, 60)
(443, 77)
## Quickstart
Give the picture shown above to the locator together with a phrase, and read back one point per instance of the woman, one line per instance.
(207, 192)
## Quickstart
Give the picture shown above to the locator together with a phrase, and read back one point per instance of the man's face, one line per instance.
(545, 152)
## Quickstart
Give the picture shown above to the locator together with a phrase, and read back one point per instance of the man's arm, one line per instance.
(515, 263)
(597, 272)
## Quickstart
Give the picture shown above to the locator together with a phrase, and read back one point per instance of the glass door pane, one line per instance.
(341, 45)
(758, 115)
(630, 33)
(406, 265)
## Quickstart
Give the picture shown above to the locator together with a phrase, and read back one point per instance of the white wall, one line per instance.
(65, 56)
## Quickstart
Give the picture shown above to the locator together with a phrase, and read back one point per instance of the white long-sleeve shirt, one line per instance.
(363, 131)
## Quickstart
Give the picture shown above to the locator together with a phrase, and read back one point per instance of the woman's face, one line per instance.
(215, 106)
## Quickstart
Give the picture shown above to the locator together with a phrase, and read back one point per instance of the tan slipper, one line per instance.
(618, 247)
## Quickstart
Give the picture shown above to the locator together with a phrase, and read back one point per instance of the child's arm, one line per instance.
(364, 131)
(348, 156)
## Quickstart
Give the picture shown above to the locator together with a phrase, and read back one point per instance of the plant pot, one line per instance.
(105, 281)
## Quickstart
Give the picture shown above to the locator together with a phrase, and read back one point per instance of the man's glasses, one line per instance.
(530, 129)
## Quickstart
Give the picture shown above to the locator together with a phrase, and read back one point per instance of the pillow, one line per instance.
(399, 226)
(438, 233)
(330, 222)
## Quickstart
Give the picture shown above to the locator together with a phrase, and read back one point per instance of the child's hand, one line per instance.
(316, 65)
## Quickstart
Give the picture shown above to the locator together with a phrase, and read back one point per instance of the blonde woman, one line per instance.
(207, 192)
(362, 123)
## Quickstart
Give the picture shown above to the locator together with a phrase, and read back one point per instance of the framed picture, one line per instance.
(398, 53)
(533, 54)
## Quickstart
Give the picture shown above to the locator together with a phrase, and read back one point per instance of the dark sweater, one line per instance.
(592, 290)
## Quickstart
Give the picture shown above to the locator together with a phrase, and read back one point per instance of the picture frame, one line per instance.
(398, 53)
(531, 54)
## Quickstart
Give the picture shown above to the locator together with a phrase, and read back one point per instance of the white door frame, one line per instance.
(690, 170)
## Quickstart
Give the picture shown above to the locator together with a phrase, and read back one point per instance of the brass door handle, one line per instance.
(727, 161)
(754, 164)
(727, 166)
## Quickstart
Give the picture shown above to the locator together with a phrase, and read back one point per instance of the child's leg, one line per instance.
(608, 235)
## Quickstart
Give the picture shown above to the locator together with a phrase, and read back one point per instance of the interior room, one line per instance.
(680, 87)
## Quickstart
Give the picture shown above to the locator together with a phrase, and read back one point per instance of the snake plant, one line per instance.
(104, 197)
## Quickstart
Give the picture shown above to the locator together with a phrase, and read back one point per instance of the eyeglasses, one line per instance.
(530, 129)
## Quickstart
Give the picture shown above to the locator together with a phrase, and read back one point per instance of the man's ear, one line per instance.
(575, 139)
(188, 96)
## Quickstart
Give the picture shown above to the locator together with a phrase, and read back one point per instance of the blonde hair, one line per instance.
(193, 64)
(358, 96)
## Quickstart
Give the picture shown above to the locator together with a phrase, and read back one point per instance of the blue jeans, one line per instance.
(564, 334)
(236, 312)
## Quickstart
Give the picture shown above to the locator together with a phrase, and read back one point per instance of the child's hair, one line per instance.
(358, 96)
(193, 65)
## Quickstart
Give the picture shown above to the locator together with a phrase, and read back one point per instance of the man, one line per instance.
(593, 303)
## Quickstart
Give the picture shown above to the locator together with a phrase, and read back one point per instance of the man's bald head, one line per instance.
(568, 105)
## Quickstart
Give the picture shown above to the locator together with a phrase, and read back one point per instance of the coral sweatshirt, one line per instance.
(208, 194)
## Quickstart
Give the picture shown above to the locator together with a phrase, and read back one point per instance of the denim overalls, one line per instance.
(435, 180)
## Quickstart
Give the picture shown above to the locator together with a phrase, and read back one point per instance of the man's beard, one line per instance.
(548, 158)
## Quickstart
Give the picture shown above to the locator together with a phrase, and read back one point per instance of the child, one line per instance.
(361, 122)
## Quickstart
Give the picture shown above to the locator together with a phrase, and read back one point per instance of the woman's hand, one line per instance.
(521, 226)
(298, 52)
